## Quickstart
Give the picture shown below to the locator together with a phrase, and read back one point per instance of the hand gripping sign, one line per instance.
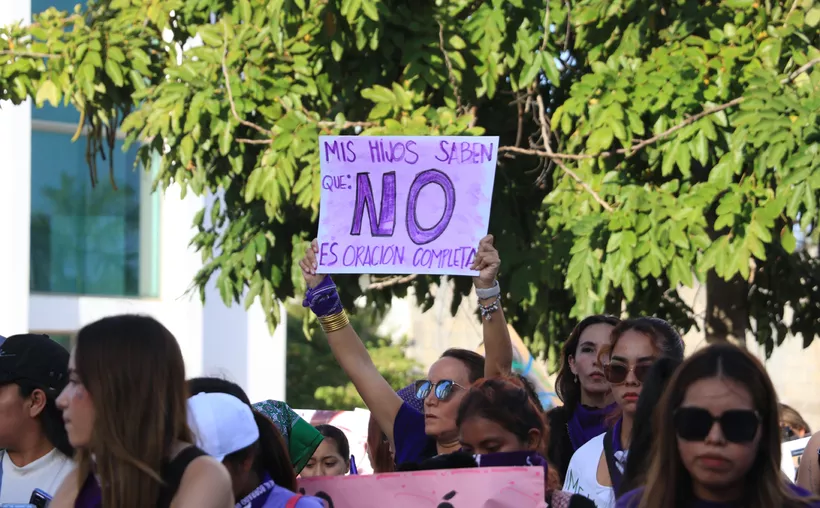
(403, 204)
(486, 487)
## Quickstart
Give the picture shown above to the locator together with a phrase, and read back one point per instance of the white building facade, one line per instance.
(71, 254)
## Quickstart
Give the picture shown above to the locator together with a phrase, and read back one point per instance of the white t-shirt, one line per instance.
(45, 473)
(582, 474)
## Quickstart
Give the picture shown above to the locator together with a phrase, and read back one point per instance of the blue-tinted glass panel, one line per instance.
(88, 240)
(47, 112)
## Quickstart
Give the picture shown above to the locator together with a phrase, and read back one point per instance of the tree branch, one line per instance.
(392, 281)
(546, 140)
(29, 54)
(629, 152)
(247, 141)
(449, 64)
(230, 93)
(800, 70)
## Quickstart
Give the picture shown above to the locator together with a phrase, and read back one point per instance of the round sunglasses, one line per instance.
(616, 373)
(737, 425)
(443, 389)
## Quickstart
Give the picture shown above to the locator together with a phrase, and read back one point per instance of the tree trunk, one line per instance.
(727, 312)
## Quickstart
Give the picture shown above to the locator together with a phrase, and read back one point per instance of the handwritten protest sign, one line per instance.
(402, 204)
(496, 487)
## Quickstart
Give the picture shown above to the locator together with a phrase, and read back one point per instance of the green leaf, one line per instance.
(699, 148)
(112, 69)
(186, 150)
(457, 42)
(635, 123)
(599, 140)
(225, 139)
(370, 10)
(48, 91)
(379, 94)
(813, 17)
(245, 11)
(787, 240)
(550, 69)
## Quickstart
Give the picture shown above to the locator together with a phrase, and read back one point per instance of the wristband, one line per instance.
(486, 294)
(323, 300)
(488, 310)
(334, 322)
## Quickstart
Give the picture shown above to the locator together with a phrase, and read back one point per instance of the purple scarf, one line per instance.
(257, 498)
(504, 459)
(586, 423)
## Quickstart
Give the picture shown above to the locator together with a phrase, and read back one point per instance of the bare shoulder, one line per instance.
(205, 484)
(66, 495)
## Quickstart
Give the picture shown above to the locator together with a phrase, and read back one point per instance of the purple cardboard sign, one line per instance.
(404, 204)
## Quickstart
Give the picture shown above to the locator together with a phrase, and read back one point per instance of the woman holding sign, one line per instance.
(416, 436)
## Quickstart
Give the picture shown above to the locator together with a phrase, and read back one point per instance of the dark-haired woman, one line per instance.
(125, 411)
(415, 436)
(595, 470)
(229, 431)
(500, 422)
(332, 458)
(718, 439)
(269, 452)
(582, 388)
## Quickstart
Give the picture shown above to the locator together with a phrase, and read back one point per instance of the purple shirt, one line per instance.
(632, 498)
(411, 442)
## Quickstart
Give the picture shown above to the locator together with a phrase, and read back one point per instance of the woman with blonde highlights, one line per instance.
(717, 439)
(125, 412)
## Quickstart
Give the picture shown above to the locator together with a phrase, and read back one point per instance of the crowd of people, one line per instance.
(116, 422)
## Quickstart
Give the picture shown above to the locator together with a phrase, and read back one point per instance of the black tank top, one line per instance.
(171, 472)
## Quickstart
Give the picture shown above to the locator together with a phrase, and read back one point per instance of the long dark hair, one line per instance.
(134, 373)
(270, 451)
(472, 360)
(640, 447)
(669, 483)
(565, 386)
(51, 418)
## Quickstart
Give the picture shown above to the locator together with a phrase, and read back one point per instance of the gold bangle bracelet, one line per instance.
(335, 322)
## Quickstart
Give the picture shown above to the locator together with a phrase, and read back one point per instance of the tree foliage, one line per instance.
(316, 381)
(646, 144)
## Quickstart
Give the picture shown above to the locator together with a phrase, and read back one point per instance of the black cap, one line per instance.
(34, 358)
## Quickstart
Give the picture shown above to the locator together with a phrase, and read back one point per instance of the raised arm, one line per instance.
(347, 347)
(497, 343)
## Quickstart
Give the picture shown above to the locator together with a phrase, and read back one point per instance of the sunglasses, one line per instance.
(737, 425)
(443, 389)
(616, 373)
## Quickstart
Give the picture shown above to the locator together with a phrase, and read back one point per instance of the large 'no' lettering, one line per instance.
(384, 224)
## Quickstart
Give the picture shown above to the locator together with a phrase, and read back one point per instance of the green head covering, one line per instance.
(302, 438)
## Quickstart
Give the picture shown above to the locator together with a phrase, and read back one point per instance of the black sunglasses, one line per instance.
(737, 425)
(443, 389)
(616, 373)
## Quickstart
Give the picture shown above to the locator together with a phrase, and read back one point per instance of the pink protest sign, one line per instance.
(488, 487)
(403, 204)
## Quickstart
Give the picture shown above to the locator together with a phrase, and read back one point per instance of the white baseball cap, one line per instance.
(221, 423)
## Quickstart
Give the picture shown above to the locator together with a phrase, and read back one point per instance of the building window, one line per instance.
(84, 240)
